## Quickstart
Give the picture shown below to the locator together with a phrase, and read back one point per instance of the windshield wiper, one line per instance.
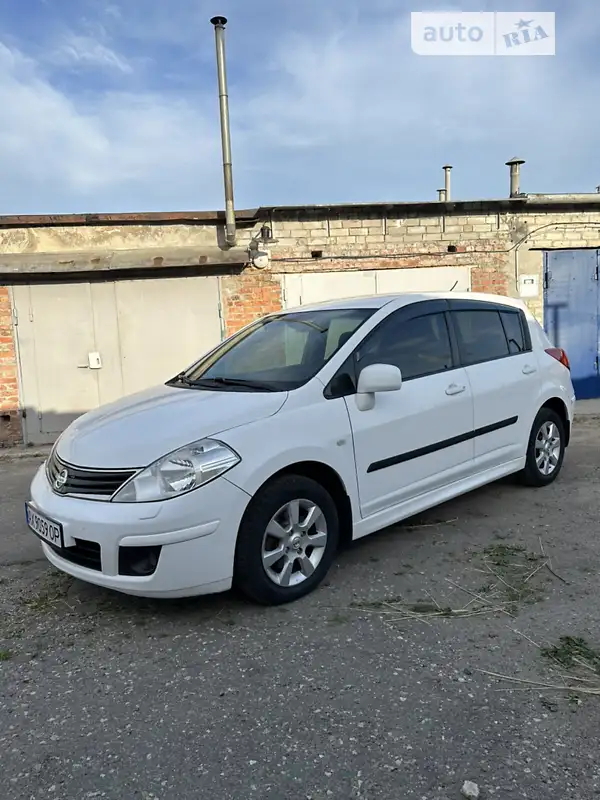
(219, 381)
(181, 378)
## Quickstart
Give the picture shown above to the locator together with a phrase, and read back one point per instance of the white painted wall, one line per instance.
(313, 287)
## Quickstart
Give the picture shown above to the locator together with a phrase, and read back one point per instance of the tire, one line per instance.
(547, 422)
(258, 573)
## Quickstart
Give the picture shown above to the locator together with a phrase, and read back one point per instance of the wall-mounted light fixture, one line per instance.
(266, 234)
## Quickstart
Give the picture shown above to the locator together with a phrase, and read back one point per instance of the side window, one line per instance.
(420, 346)
(514, 332)
(480, 335)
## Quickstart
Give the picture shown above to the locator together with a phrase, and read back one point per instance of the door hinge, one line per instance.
(547, 277)
(15, 316)
(596, 272)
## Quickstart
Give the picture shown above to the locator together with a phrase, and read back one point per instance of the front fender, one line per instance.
(318, 432)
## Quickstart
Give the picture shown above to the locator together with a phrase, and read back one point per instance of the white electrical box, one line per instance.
(529, 285)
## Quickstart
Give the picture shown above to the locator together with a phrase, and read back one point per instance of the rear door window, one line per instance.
(481, 335)
(511, 320)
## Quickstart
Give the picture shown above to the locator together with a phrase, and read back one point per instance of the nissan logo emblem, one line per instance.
(60, 480)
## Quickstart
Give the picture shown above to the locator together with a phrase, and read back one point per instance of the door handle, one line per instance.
(454, 388)
(529, 370)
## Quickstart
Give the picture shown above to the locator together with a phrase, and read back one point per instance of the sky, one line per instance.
(112, 105)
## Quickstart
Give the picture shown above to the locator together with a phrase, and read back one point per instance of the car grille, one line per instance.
(65, 479)
(83, 553)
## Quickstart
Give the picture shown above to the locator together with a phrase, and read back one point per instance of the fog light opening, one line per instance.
(138, 561)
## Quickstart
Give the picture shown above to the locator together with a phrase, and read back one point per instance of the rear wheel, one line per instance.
(287, 540)
(545, 450)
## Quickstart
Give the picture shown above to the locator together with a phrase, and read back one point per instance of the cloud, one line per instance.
(58, 155)
(383, 118)
(326, 107)
(85, 52)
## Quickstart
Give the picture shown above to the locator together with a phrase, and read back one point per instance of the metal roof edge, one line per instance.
(253, 215)
(123, 218)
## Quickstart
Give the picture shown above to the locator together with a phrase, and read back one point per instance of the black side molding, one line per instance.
(437, 446)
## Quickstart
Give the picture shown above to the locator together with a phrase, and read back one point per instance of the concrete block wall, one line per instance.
(497, 247)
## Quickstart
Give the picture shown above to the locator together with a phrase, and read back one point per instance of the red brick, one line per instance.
(248, 296)
(10, 421)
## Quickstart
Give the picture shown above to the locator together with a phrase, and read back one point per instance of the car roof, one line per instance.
(378, 301)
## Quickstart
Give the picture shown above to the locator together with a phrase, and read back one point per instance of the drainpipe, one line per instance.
(230, 232)
(515, 176)
(447, 169)
(441, 195)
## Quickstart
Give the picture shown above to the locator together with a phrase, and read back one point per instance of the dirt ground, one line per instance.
(460, 646)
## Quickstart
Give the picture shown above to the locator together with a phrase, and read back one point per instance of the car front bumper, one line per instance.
(194, 536)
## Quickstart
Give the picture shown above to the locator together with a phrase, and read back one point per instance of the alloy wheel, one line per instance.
(547, 448)
(294, 542)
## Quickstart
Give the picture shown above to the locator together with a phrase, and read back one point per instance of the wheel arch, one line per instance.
(559, 406)
(331, 480)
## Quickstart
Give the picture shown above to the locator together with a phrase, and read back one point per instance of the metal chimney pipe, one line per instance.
(447, 169)
(515, 176)
(230, 231)
(441, 195)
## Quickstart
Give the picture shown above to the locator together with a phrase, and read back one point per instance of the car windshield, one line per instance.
(278, 353)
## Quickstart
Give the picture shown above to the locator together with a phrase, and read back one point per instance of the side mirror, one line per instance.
(376, 378)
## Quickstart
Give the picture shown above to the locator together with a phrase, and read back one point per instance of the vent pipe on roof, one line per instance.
(441, 195)
(230, 232)
(447, 169)
(515, 176)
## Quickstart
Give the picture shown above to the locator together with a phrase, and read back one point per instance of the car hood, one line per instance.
(136, 430)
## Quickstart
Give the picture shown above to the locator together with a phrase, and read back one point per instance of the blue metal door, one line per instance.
(572, 313)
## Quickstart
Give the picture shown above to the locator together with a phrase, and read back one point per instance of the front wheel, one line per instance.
(287, 540)
(545, 450)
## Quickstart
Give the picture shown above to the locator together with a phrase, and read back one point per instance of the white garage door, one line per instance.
(85, 344)
(313, 287)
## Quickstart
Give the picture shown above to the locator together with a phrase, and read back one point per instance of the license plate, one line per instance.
(45, 528)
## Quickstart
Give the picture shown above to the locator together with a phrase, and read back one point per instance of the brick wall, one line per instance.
(10, 422)
(248, 296)
(497, 247)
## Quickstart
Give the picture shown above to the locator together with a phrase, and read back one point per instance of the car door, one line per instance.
(418, 438)
(495, 348)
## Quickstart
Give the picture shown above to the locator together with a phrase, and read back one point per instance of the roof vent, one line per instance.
(515, 176)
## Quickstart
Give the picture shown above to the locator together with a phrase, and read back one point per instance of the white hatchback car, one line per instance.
(306, 428)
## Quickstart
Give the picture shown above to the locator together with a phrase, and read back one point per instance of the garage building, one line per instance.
(93, 307)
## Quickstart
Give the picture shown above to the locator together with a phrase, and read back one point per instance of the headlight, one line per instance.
(179, 472)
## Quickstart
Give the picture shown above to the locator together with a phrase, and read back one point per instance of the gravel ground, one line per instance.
(105, 696)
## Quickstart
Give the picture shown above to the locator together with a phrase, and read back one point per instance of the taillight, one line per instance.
(560, 355)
